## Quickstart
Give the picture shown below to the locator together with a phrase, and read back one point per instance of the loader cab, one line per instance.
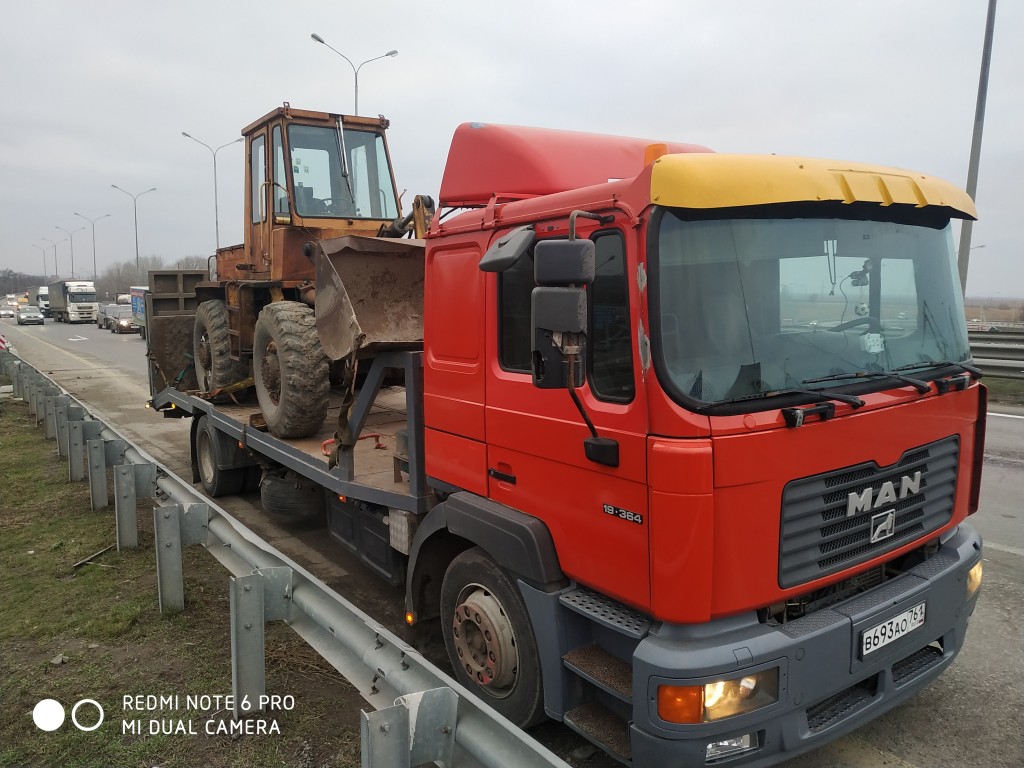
(311, 176)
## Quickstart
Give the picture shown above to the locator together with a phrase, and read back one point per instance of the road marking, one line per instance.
(78, 338)
(1003, 548)
(1006, 415)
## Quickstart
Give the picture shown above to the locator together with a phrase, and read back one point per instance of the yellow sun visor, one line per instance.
(706, 181)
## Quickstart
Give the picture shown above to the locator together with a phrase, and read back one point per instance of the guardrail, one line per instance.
(421, 714)
(999, 354)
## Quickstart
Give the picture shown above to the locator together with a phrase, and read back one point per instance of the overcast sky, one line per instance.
(98, 93)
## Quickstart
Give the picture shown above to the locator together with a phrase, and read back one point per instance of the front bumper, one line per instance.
(826, 689)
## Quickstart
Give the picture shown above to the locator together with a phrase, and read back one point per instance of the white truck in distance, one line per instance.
(73, 301)
(41, 298)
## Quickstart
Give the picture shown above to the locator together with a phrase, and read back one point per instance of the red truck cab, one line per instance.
(773, 549)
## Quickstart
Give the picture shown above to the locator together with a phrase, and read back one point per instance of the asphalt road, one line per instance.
(971, 716)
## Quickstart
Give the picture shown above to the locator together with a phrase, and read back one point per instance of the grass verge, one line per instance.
(94, 631)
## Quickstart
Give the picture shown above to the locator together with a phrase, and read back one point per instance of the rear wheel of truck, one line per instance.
(489, 638)
(210, 348)
(291, 498)
(290, 369)
(216, 482)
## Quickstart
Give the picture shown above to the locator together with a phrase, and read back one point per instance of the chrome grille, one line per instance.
(818, 538)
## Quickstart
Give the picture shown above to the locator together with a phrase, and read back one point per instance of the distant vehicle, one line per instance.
(120, 320)
(6, 310)
(73, 301)
(29, 315)
(41, 298)
(139, 307)
(103, 314)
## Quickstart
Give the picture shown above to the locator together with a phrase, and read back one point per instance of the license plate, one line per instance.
(892, 629)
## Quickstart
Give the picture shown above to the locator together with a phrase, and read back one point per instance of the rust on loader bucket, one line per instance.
(369, 294)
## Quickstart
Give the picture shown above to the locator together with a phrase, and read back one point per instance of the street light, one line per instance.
(43, 250)
(92, 223)
(355, 69)
(56, 272)
(216, 213)
(70, 233)
(135, 203)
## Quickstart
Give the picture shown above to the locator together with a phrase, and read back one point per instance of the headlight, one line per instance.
(718, 699)
(974, 579)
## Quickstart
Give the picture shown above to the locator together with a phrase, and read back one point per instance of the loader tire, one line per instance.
(290, 369)
(211, 348)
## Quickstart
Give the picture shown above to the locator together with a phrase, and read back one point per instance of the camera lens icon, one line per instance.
(49, 715)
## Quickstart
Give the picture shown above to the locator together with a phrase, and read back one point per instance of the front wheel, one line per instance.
(211, 348)
(489, 638)
(290, 369)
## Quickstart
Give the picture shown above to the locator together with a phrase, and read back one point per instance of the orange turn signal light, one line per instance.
(681, 703)
(409, 618)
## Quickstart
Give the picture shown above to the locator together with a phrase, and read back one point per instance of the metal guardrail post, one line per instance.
(175, 526)
(248, 649)
(61, 418)
(418, 730)
(125, 502)
(98, 497)
(80, 432)
(50, 417)
(170, 579)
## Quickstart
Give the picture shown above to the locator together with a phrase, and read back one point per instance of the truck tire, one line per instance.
(211, 347)
(290, 370)
(216, 482)
(291, 498)
(489, 638)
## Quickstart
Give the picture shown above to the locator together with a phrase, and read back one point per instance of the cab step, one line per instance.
(600, 725)
(600, 668)
(604, 610)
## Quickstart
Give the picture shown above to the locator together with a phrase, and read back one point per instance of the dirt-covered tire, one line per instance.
(489, 638)
(216, 482)
(291, 498)
(211, 348)
(290, 369)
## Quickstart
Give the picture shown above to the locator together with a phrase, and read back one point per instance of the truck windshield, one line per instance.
(746, 307)
(82, 298)
(361, 188)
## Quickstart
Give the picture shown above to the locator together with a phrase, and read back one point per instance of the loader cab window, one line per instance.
(341, 176)
(609, 341)
(257, 175)
(280, 175)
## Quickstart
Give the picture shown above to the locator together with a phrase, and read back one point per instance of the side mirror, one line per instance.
(559, 320)
(562, 270)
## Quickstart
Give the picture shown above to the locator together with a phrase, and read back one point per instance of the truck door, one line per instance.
(597, 514)
(257, 205)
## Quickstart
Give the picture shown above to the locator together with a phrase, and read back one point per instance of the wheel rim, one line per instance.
(203, 359)
(484, 641)
(270, 372)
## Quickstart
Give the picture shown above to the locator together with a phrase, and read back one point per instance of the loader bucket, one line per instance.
(369, 295)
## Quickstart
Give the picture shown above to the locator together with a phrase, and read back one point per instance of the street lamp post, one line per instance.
(135, 203)
(355, 69)
(216, 213)
(70, 233)
(92, 223)
(43, 251)
(56, 272)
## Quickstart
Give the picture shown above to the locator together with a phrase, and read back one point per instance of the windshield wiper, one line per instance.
(821, 394)
(921, 386)
(975, 372)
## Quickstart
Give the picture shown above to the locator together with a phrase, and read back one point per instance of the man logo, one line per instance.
(883, 525)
